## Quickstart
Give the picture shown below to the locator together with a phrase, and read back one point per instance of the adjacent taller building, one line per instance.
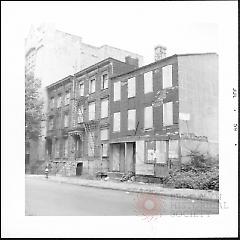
(51, 55)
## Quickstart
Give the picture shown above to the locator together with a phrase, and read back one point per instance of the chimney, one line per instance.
(159, 52)
(131, 61)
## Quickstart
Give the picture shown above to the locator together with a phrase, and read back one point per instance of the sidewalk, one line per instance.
(135, 187)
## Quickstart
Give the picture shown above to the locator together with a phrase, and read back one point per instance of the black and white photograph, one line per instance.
(120, 119)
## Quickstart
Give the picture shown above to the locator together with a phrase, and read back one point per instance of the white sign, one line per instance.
(184, 116)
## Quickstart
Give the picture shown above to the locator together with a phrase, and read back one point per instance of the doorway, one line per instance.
(79, 169)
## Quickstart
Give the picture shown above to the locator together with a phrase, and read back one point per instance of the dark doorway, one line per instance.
(79, 169)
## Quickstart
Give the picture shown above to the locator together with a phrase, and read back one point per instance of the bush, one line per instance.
(200, 173)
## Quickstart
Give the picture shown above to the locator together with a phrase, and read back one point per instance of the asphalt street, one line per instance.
(47, 198)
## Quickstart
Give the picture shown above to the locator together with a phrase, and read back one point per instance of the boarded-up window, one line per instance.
(148, 82)
(65, 147)
(92, 84)
(91, 109)
(131, 87)
(104, 81)
(91, 144)
(104, 149)
(167, 76)
(104, 134)
(81, 89)
(150, 152)
(148, 117)
(117, 91)
(131, 119)
(161, 151)
(173, 149)
(168, 114)
(80, 114)
(116, 122)
(104, 108)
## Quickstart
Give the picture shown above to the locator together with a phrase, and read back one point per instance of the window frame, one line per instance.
(90, 104)
(144, 82)
(90, 85)
(104, 80)
(166, 117)
(118, 84)
(101, 102)
(114, 123)
(164, 86)
(131, 93)
(132, 111)
(145, 119)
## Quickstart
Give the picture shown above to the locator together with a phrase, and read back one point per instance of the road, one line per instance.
(47, 198)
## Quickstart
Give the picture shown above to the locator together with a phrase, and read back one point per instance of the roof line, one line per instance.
(162, 60)
(59, 81)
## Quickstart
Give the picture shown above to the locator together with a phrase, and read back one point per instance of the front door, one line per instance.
(79, 169)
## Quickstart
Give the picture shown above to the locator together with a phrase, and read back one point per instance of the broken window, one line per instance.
(91, 113)
(104, 108)
(66, 120)
(65, 147)
(131, 119)
(117, 91)
(131, 87)
(59, 101)
(81, 89)
(148, 82)
(104, 81)
(168, 114)
(104, 150)
(92, 83)
(167, 76)
(116, 122)
(67, 98)
(148, 117)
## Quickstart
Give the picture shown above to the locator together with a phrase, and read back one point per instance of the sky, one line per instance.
(135, 26)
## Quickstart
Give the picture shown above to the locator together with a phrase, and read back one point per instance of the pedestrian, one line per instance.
(46, 171)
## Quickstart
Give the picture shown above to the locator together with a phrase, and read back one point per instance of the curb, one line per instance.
(140, 190)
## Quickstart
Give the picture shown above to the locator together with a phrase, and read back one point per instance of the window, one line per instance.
(167, 76)
(58, 122)
(59, 101)
(57, 148)
(80, 114)
(92, 83)
(50, 123)
(148, 82)
(91, 109)
(91, 144)
(67, 98)
(131, 119)
(104, 150)
(148, 117)
(52, 103)
(104, 108)
(168, 114)
(104, 81)
(66, 120)
(81, 89)
(104, 134)
(116, 122)
(117, 91)
(131, 87)
(65, 147)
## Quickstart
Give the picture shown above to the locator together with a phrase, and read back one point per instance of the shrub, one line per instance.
(200, 173)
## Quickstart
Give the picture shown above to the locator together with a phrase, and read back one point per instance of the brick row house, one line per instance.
(78, 131)
(119, 118)
(158, 115)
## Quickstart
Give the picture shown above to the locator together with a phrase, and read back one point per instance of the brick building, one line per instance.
(78, 118)
(158, 115)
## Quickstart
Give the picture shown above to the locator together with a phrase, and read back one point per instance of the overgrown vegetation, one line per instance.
(201, 172)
